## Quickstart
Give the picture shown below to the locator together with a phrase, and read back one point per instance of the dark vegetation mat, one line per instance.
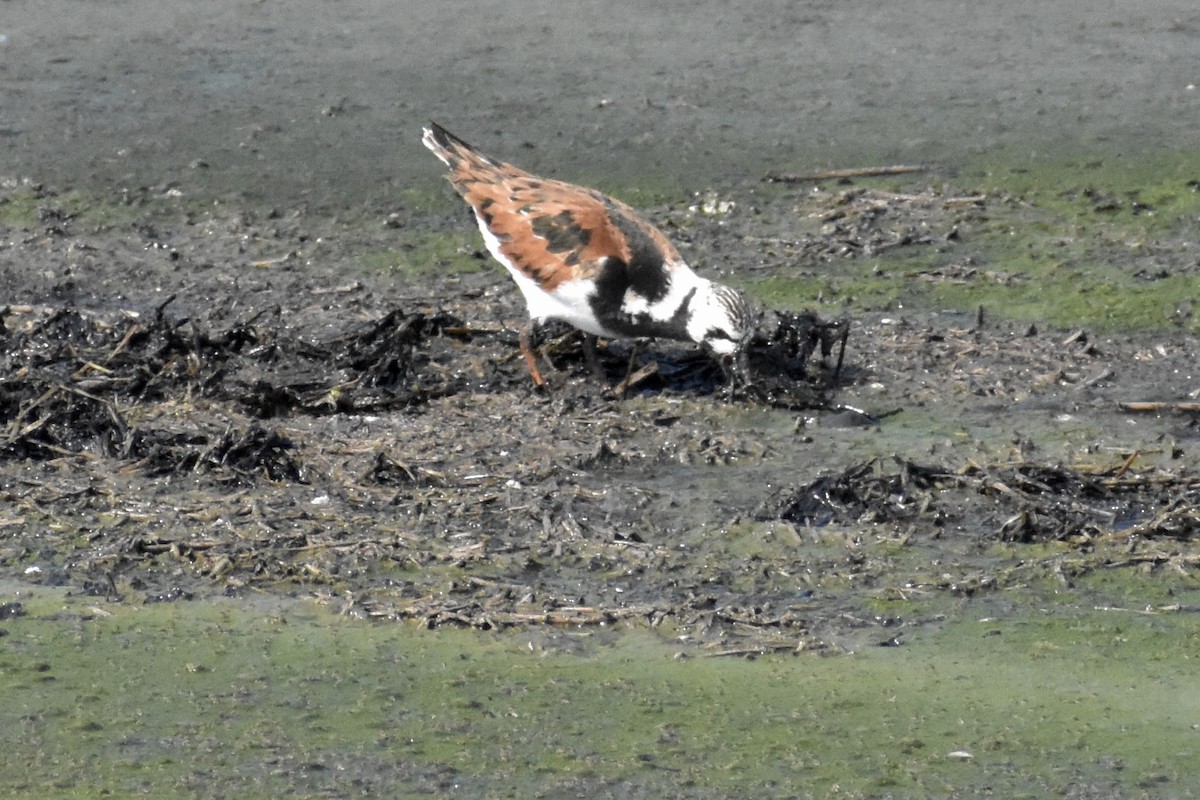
(65, 378)
(1024, 502)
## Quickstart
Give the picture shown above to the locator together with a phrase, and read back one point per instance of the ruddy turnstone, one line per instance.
(588, 259)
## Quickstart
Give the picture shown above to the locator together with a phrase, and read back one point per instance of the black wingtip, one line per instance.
(445, 138)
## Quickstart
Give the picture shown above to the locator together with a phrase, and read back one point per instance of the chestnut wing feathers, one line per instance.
(555, 232)
(550, 237)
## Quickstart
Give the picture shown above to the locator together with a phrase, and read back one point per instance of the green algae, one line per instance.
(426, 253)
(1031, 693)
(1103, 244)
(29, 207)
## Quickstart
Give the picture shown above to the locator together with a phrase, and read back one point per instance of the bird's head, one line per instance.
(721, 321)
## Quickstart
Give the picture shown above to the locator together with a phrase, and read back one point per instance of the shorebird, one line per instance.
(585, 258)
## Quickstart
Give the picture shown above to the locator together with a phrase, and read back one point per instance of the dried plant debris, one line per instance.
(69, 381)
(253, 451)
(281, 429)
(1023, 502)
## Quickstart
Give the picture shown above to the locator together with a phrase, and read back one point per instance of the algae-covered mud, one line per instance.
(205, 401)
(252, 698)
(281, 512)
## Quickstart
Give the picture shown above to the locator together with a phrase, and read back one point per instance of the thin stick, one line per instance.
(1160, 406)
(850, 172)
(1128, 462)
(129, 334)
(635, 377)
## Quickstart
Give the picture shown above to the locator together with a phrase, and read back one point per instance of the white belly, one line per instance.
(569, 304)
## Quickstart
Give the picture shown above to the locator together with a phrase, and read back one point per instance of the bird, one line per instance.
(587, 259)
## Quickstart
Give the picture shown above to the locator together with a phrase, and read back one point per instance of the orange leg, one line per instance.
(531, 354)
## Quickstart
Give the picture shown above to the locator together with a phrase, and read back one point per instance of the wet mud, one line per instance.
(210, 401)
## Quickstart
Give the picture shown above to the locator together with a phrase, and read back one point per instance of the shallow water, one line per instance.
(307, 102)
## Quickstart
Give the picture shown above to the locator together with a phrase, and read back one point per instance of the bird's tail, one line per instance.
(450, 149)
